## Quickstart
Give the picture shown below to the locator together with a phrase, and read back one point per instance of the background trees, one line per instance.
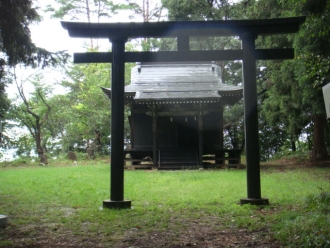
(291, 108)
(15, 38)
(15, 41)
(15, 18)
(295, 99)
(87, 109)
(32, 111)
(16, 47)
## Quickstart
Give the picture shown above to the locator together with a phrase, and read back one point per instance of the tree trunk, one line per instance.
(327, 135)
(319, 151)
(88, 13)
(97, 140)
(40, 150)
(293, 144)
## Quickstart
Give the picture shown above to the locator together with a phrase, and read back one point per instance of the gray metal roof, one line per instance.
(179, 83)
(175, 73)
(184, 81)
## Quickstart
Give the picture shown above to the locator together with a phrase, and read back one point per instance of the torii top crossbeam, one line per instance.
(184, 28)
(247, 30)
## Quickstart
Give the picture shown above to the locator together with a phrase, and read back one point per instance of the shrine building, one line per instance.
(177, 116)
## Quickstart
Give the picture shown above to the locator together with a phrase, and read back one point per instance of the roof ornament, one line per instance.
(213, 66)
(138, 66)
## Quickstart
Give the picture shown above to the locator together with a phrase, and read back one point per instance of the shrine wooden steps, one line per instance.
(178, 159)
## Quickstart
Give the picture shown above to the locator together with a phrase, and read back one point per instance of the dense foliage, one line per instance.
(15, 40)
(291, 108)
(294, 100)
(16, 48)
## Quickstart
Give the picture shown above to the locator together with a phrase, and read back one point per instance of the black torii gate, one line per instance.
(247, 30)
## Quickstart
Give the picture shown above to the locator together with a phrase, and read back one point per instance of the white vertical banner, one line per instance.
(326, 96)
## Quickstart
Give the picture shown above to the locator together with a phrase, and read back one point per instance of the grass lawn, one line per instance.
(62, 206)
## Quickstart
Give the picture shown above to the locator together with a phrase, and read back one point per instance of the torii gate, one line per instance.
(247, 30)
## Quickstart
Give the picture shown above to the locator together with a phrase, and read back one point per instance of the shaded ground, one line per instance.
(199, 234)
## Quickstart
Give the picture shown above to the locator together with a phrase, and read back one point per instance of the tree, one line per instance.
(294, 99)
(81, 117)
(148, 11)
(15, 41)
(15, 38)
(4, 102)
(89, 107)
(85, 10)
(283, 106)
(16, 46)
(187, 10)
(34, 111)
(315, 54)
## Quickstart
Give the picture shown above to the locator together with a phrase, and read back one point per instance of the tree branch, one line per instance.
(22, 95)
(48, 107)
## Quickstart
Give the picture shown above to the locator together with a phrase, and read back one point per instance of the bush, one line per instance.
(20, 161)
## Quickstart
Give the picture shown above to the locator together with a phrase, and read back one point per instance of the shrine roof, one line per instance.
(178, 77)
(178, 82)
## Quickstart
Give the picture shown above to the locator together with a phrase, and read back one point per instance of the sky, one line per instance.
(50, 35)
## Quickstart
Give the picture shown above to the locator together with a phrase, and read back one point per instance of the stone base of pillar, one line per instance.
(117, 204)
(252, 201)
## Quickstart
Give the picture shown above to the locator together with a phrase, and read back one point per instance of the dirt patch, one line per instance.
(202, 233)
(51, 235)
(201, 236)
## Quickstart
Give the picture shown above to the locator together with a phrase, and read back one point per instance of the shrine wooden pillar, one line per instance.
(221, 127)
(117, 126)
(251, 122)
(154, 138)
(200, 136)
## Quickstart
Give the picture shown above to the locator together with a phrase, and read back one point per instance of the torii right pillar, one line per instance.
(251, 122)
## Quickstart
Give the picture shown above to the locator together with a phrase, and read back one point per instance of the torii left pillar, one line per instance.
(117, 126)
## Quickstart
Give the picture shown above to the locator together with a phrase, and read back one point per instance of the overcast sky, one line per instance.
(50, 35)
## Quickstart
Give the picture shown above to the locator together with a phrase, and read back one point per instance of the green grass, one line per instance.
(69, 199)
